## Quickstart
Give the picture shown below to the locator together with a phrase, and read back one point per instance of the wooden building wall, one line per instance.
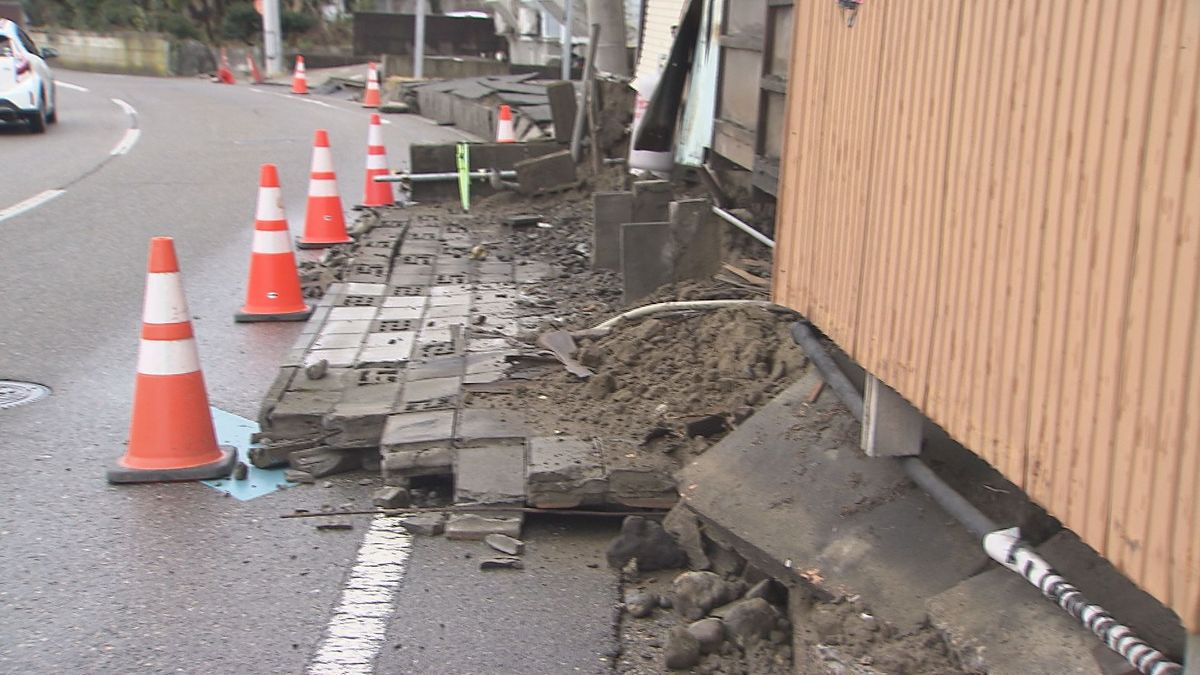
(995, 208)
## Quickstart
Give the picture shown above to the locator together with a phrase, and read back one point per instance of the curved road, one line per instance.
(178, 578)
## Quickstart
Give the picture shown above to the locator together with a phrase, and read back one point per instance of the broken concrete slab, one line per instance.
(427, 524)
(392, 497)
(492, 474)
(696, 239)
(858, 522)
(651, 201)
(1052, 641)
(610, 211)
(646, 258)
(548, 173)
(483, 425)
(474, 527)
(324, 461)
(502, 563)
(637, 479)
(412, 429)
(294, 476)
(562, 109)
(564, 472)
(505, 544)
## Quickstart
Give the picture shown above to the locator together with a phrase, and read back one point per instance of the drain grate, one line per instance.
(13, 393)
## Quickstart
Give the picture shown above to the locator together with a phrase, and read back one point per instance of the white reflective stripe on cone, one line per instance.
(168, 357)
(322, 187)
(322, 160)
(164, 302)
(377, 162)
(375, 135)
(272, 241)
(270, 204)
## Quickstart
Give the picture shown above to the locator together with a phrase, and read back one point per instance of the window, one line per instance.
(27, 42)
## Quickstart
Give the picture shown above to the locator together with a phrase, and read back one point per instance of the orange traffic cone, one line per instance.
(255, 75)
(224, 72)
(324, 222)
(273, 292)
(504, 126)
(371, 96)
(171, 435)
(299, 78)
(377, 194)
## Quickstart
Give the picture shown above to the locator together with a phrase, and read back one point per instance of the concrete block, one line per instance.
(338, 341)
(651, 201)
(610, 210)
(437, 460)
(493, 474)
(429, 390)
(352, 313)
(472, 527)
(547, 173)
(1030, 635)
(275, 392)
(427, 524)
(324, 461)
(637, 479)
(562, 109)
(391, 497)
(646, 258)
(696, 239)
(417, 428)
(891, 427)
(435, 367)
(482, 425)
(564, 472)
(299, 414)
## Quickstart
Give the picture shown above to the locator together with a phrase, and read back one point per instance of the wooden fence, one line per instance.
(994, 206)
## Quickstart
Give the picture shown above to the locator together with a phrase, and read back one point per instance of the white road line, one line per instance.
(73, 87)
(31, 203)
(131, 136)
(129, 110)
(359, 624)
(316, 102)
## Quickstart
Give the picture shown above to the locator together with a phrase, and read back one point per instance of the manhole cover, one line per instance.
(13, 393)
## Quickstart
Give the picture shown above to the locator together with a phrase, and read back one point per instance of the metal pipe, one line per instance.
(582, 108)
(954, 503)
(834, 377)
(566, 39)
(419, 42)
(733, 220)
(435, 177)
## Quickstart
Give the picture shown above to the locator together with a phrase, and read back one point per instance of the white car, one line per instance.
(27, 89)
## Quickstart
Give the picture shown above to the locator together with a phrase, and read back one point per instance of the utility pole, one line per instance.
(419, 42)
(566, 39)
(612, 56)
(272, 42)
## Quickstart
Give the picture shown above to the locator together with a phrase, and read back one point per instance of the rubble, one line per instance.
(644, 541)
(473, 527)
(503, 563)
(391, 497)
(505, 544)
(698, 592)
(682, 650)
(426, 524)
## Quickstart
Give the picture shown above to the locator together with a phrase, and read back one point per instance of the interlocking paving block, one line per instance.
(409, 278)
(352, 313)
(435, 367)
(449, 291)
(390, 338)
(361, 301)
(435, 324)
(408, 462)
(484, 276)
(498, 308)
(486, 344)
(411, 302)
(473, 527)
(483, 378)
(492, 474)
(365, 289)
(336, 378)
(298, 414)
(434, 335)
(386, 354)
(481, 425)
(338, 341)
(303, 341)
(564, 472)
(334, 357)
(486, 362)
(417, 428)
(282, 381)
(430, 389)
(391, 313)
(457, 311)
(341, 327)
(316, 319)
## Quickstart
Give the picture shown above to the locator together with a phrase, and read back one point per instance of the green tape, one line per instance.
(463, 157)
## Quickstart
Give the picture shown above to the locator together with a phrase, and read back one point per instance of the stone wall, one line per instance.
(124, 52)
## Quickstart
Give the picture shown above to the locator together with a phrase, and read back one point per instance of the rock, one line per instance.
(505, 544)
(317, 370)
(682, 650)
(428, 524)
(391, 498)
(294, 476)
(640, 604)
(664, 601)
(681, 523)
(750, 620)
(240, 471)
(601, 386)
(504, 563)
(770, 590)
(472, 527)
(698, 592)
(647, 542)
(710, 633)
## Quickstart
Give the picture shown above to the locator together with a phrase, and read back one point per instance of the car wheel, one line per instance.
(37, 120)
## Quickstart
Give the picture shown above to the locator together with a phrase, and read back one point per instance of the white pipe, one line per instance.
(733, 220)
(694, 304)
(434, 177)
(419, 42)
(566, 40)
(1007, 548)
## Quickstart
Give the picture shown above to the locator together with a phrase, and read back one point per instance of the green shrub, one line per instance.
(242, 22)
(178, 25)
(296, 23)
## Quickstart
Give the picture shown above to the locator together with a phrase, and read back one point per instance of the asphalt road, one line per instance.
(179, 578)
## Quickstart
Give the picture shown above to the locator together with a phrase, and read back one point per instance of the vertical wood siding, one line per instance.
(995, 208)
